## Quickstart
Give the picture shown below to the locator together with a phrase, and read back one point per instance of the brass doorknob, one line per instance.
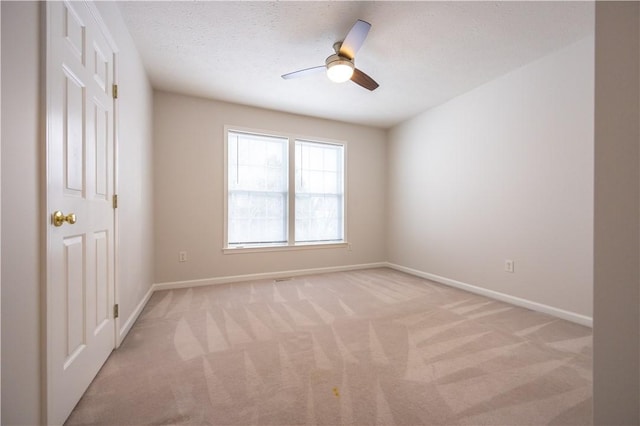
(58, 218)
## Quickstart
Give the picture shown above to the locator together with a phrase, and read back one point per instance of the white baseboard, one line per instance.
(556, 312)
(559, 313)
(263, 276)
(133, 317)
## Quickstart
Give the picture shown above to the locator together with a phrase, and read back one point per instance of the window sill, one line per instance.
(299, 246)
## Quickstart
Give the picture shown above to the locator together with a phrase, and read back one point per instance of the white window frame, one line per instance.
(291, 243)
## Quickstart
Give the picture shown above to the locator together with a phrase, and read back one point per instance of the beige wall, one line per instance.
(616, 331)
(22, 217)
(188, 164)
(21, 221)
(135, 170)
(504, 171)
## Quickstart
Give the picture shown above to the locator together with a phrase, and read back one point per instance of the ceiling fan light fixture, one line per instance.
(339, 70)
(340, 66)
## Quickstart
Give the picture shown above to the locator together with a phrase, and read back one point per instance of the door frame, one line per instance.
(47, 281)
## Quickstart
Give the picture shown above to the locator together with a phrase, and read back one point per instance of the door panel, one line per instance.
(100, 68)
(75, 294)
(80, 180)
(101, 280)
(74, 33)
(73, 134)
(101, 134)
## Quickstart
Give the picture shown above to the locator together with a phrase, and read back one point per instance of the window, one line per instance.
(282, 191)
(257, 189)
(319, 192)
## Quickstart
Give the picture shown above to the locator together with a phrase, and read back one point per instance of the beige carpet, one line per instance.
(364, 347)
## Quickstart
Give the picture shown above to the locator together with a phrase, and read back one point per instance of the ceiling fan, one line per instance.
(340, 66)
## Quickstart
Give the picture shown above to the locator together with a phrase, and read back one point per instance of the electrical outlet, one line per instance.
(182, 256)
(509, 265)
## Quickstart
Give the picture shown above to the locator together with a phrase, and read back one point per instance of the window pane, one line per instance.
(257, 189)
(319, 192)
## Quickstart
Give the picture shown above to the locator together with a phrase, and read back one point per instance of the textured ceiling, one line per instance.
(421, 53)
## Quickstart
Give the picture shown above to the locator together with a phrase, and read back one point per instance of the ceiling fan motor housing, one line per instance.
(337, 59)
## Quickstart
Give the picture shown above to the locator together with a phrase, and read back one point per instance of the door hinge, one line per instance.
(115, 91)
(115, 201)
(116, 311)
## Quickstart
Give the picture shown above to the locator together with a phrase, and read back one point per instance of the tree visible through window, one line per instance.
(272, 202)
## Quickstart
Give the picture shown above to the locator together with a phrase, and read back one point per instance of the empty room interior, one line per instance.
(204, 221)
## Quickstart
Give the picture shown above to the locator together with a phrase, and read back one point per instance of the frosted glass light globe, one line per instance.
(339, 71)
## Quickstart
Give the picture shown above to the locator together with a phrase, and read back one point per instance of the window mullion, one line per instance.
(291, 219)
(342, 184)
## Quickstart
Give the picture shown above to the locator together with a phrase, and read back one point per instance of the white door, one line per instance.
(80, 181)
